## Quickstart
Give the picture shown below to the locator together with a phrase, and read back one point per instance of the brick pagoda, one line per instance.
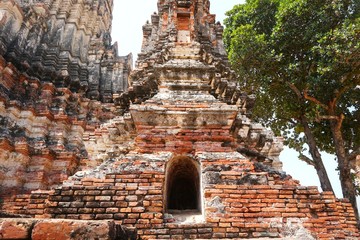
(169, 151)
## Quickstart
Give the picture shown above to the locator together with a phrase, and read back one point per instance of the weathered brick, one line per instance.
(16, 228)
(102, 198)
(104, 216)
(108, 192)
(134, 204)
(125, 210)
(176, 231)
(69, 210)
(121, 204)
(99, 210)
(67, 229)
(112, 210)
(157, 221)
(88, 198)
(219, 235)
(119, 216)
(92, 204)
(107, 204)
(85, 210)
(80, 192)
(138, 209)
(77, 204)
(94, 192)
(132, 198)
(129, 221)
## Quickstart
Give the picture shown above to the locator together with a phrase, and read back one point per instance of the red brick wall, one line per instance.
(239, 202)
(267, 210)
(133, 199)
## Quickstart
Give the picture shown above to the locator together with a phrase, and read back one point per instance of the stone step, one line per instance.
(57, 229)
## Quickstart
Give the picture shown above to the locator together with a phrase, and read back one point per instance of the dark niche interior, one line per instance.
(183, 185)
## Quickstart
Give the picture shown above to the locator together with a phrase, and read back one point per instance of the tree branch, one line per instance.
(341, 120)
(320, 118)
(306, 159)
(295, 89)
(314, 100)
(354, 154)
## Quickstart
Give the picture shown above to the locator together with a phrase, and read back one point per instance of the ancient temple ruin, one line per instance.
(165, 151)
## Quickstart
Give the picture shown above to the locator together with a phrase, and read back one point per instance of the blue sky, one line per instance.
(130, 16)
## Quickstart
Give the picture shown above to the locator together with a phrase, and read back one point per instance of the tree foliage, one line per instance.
(302, 60)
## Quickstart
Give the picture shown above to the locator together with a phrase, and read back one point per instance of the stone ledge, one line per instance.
(60, 229)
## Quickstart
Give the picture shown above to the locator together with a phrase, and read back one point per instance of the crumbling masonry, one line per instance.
(90, 148)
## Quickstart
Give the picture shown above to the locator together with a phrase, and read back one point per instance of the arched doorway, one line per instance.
(183, 185)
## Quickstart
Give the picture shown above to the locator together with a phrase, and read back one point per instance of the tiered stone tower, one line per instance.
(58, 76)
(177, 155)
